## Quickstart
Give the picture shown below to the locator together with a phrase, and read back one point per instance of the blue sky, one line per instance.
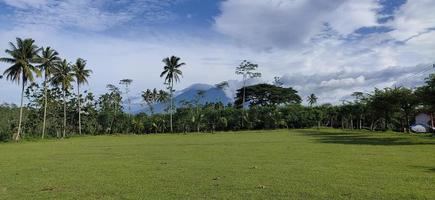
(330, 48)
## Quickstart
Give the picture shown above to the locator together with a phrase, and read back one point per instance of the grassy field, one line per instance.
(295, 164)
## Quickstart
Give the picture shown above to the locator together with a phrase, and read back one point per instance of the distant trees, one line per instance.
(386, 109)
(270, 106)
(426, 93)
(110, 107)
(151, 97)
(266, 94)
(172, 73)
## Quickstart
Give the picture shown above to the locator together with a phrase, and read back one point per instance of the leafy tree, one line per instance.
(22, 56)
(8, 120)
(172, 73)
(427, 93)
(63, 77)
(110, 108)
(198, 116)
(81, 74)
(266, 94)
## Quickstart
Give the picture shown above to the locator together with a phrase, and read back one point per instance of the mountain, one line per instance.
(189, 94)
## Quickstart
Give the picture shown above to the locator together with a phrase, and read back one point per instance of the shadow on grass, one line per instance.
(425, 168)
(332, 136)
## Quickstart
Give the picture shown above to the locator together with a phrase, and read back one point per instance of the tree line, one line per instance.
(54, 110)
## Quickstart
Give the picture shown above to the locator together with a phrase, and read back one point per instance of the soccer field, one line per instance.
(283, 164)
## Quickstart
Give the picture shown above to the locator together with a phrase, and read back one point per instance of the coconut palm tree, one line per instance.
(81, 75)
(63, 76)
(312, 99)
(22, 55)
(47, 59)
(148, 97)
(152, 97)
(172, 73)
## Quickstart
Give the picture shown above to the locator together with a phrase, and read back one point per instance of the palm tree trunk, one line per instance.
(170, 113)
(17, 137)
(79, 102)
(45, 107)
(64, 114)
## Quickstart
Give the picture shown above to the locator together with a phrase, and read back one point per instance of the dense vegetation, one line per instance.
(54, 110)
(281, 164)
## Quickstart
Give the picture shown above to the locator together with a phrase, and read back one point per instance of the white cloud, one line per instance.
(343, 83)
(352, 15)
(93, 15)
(413, 18)
(26, 3)
(280, 23)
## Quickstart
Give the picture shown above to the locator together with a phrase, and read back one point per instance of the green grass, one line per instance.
(296, 164)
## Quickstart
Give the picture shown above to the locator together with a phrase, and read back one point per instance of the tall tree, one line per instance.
(126, 83)
(172, 73)
(63, 76)
(248, 71)
(312, 99)
(148, 98)
(81, 74)
(110, 105)
(198, 116)
(48, 59)
(22, 55)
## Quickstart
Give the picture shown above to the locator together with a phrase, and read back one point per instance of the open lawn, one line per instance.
(284, 164)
